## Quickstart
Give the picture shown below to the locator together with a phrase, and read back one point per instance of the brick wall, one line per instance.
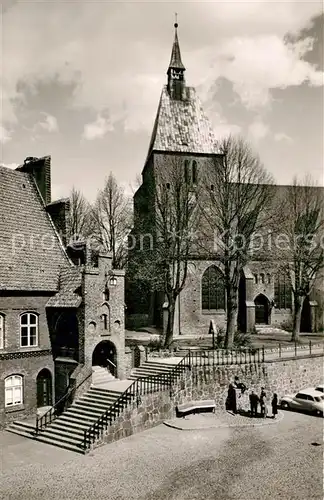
(28, 368)
(12, 306)
(91, 326)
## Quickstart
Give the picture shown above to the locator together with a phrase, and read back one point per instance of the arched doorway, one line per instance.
(44, 388)
(261, 310)
(305, 320)
(105, 355)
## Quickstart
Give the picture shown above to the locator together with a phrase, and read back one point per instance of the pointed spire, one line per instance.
(175, 62)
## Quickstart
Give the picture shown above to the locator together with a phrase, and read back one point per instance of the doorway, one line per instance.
(261, 310)
(44, 388)
(105, 355)
(306, 320)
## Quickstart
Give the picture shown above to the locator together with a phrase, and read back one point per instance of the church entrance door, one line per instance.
(261, 310)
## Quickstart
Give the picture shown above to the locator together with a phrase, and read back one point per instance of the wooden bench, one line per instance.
(195, 406)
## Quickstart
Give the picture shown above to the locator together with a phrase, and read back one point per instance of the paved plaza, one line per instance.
(247, 463)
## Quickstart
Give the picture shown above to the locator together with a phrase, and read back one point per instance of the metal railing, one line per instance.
(140, 387)
(60, 406)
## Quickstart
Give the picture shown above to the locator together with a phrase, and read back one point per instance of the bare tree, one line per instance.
(238, 204)
(112, 217)
(173, 219)
(303, 255)
(80, 218)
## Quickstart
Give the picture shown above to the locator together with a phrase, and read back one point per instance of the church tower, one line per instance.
(176, 80)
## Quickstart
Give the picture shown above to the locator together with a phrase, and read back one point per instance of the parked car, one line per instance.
(320, 388)
(307, 399)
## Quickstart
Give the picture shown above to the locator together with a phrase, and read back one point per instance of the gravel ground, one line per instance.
(268, 462)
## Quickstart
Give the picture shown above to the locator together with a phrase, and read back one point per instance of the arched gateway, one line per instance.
(261, 310)
(105, 355)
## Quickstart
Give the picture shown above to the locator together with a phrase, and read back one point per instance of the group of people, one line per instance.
(255, 400)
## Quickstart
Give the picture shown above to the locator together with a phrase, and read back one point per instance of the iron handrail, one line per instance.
(140, 386)
(48, 417)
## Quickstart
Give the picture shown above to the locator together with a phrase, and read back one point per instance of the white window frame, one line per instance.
(2, 331)
(29, 325)
(14, 394)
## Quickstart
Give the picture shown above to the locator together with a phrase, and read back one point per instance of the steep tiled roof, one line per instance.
(182, 126)
(30, 250)
(69, 293)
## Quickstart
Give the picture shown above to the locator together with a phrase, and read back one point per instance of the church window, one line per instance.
(168, 185)
(186, 171)
(194, 172)
(2, 333)
(255, 278)
(213, 289)
(262, 278)
(212, 187)
(268, 279)
(104, 319)
(282, 292)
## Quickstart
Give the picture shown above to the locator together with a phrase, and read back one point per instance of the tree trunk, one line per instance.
(169, 331)
(231, 316)
(298, 305)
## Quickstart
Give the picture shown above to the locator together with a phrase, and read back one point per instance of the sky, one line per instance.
(81, 81)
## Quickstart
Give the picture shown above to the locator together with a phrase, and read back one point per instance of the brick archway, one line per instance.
(105, 355)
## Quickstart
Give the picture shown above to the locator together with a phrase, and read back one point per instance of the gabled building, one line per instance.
(183, 132)
(57, 319)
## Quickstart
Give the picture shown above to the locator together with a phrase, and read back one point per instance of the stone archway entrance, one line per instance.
(44, 388)
(261, 310)
(105, 355)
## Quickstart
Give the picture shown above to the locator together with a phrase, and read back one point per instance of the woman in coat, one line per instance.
(274, 404)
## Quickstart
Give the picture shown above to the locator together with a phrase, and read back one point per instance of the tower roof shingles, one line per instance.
(182, 126)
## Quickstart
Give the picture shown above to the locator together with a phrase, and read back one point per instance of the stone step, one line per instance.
(63, 437)
(55, 442)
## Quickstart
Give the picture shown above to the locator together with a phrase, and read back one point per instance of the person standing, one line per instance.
(253, 404)
(263, 402)
(231, 399)
(274, 404)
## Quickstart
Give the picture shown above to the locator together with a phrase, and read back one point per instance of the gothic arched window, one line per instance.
(213, 289)
(194, 172)
(282, 291)
(186, 171)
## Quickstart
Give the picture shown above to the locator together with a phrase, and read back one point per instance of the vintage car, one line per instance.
(309, 400)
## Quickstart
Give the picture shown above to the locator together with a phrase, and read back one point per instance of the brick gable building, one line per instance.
(57, 319)
(182, 131)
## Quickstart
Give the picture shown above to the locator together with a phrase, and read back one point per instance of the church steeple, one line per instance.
(176, 81)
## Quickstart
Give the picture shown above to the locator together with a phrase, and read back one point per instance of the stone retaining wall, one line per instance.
(207, 382)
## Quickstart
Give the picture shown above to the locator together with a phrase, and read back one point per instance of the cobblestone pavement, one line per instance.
(269, 462)
(220, 419)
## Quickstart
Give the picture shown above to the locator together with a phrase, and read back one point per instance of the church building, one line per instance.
(183, 131)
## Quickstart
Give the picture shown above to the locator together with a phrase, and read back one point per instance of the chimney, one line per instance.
(60, 214)
(40, 169)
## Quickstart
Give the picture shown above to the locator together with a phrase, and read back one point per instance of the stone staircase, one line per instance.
(66, 431)
(101, 376)
(151, 368)
(270, 330)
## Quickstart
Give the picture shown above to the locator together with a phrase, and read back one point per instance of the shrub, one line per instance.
(287, 325)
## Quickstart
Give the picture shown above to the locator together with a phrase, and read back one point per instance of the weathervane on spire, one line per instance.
(176, 20)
